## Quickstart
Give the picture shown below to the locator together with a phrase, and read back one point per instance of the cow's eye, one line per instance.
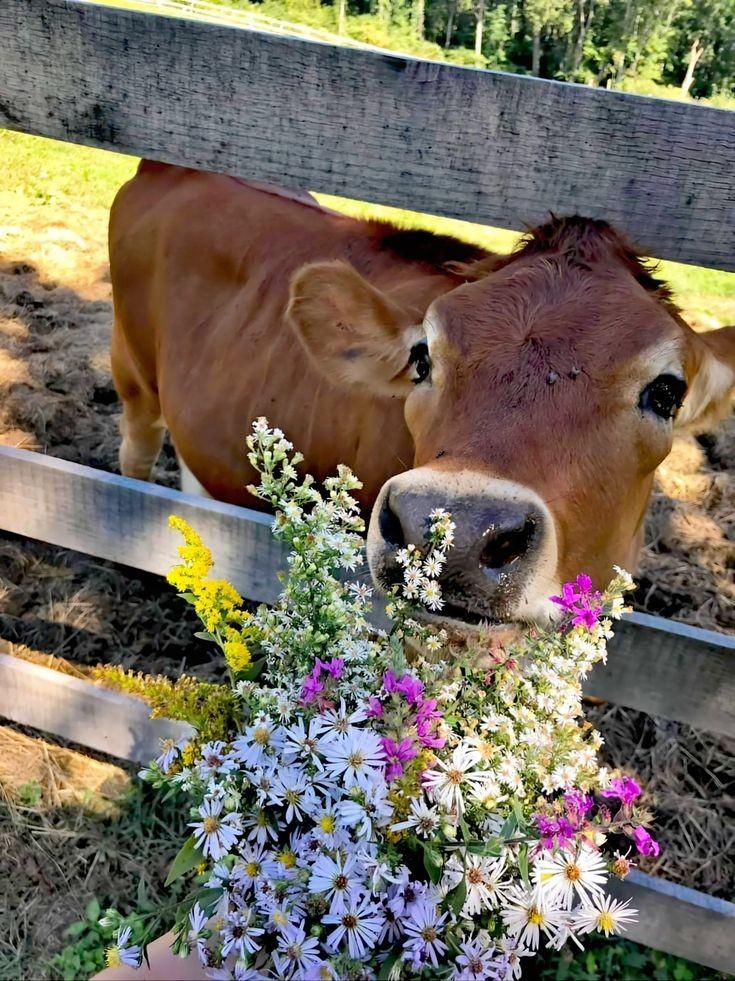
(663, 396)
(421, 362)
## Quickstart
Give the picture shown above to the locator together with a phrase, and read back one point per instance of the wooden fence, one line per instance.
(472, 144)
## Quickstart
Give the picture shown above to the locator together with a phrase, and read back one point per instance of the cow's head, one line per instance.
(541, 395)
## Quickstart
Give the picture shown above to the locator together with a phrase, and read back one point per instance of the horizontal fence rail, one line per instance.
(679, 920)
(82, 712)
(655, 666)
(479, 145)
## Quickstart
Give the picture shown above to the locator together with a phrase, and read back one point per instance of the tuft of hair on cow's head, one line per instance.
(542, 389)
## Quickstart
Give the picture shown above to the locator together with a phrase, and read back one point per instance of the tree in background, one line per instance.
(546, 18)
(640, 45)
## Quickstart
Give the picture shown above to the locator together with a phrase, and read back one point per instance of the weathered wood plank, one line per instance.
(680, 921)
(113, 517)
(478, 145)
(82, 712)
(655, 665)
(670, 669)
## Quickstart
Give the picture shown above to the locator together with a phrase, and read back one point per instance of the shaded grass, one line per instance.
(55, 859)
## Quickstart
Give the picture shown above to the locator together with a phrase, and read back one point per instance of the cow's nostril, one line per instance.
(390, 526)
(507, 546)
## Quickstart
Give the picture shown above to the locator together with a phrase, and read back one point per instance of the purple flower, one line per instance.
(311, 686)
(374, 707)
(426, 709)
(578, 804)
(624, 788)
(333, 667)
(396, 754)
(427, 734)
(554, 831)
(578, 599)
(411, 688)
(645, 844)
(390, 682)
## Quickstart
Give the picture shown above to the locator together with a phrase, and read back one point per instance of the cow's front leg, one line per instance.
(142, 438)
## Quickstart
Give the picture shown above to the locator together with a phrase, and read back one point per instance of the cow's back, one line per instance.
(200, 266)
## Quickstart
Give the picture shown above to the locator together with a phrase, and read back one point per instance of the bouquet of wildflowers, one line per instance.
(392, 805)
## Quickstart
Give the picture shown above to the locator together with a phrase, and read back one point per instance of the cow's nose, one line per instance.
(493, 535)
(497, 542)
(508, 537)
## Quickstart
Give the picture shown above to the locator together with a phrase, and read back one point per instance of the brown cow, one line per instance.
(533, 396)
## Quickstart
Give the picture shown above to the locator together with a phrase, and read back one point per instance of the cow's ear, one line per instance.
(713, 386)
(354, 333)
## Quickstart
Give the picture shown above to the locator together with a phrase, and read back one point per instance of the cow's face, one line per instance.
(541, 395)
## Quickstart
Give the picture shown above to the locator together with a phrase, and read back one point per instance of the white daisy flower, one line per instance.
(483, 875)
(170, 749)
(433, 566)
(478, 960)
(297, 953)
(603, 913)
(359, 925)
(431, 594)
(422, 929)
(215, 760)
(240, 933)
(302, 742)
(527, 914)
(514, 951)
(340, 722)
(120, 953)
(560, 876)
(446, 783)
(292, 789)
(215, 834)
(258, 742)
(258, 826)
(254, 865)
(422, 818)
(357, 758)
(375, 809)
(198, 932)
(338, 879)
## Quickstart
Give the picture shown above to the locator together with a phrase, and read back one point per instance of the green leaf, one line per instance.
(518, 813)
(432, 862)
(455, 899)
(387, 966)
(75, 929)
(464, 829)
(489, 847)
(509, 827)
(207, 898)
(93, 911)
(523, 862)
(204, 635)
(252, 672)
(188, 857)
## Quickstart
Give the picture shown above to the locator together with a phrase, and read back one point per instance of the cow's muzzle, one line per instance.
(501, 567)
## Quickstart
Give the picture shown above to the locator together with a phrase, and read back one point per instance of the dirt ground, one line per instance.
(56, 397)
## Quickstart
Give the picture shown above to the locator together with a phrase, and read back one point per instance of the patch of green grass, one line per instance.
(48, 171)
(620, 960)
(84, 954)
(62, 864)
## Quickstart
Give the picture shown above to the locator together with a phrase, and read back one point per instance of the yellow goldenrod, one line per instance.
(217, 603)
